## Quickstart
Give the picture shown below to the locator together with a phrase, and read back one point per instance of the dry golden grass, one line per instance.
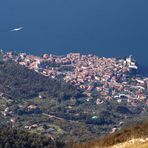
(123, 139)
(134, 143)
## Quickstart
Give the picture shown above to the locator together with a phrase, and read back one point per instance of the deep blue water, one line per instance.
(102, 27)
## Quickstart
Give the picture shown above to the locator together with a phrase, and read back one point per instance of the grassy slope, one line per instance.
(125, 138)
(134, 143)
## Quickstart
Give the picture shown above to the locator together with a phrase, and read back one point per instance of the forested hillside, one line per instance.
(19, 82)
(16, 138)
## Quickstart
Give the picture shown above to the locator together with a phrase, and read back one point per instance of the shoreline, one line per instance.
(66, 51)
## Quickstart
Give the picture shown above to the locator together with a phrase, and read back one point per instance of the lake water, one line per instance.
(102, 27)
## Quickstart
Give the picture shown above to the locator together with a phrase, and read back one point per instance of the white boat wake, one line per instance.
(16, 29)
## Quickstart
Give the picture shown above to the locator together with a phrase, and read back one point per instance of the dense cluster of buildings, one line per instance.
(108, 77)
